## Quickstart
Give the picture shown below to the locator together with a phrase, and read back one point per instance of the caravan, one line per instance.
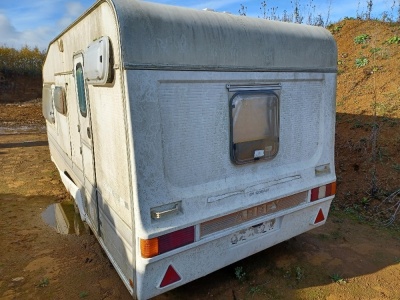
(190, 139)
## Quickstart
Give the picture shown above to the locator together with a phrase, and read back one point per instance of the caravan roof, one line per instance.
(154, 36)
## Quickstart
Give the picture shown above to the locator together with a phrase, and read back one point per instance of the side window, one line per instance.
(254, 126)
(80, 83)
(60, 101)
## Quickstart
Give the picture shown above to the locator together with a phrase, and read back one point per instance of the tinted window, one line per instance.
(254, 126)
(80, 85)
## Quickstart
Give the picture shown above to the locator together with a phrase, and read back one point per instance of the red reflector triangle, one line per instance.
(170, 277)
(320, 217)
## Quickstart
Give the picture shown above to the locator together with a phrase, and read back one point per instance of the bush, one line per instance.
(25, 61)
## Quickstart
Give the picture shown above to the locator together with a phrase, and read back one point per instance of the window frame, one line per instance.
(81, 89)
(249, 91)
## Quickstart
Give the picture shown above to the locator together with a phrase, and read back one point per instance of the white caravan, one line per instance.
(190, 139)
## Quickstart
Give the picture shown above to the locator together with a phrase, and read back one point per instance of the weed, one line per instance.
(323, 236)
(337, 278)
(240, 274)
(337, 29)
(380, 107)
(337, 234)
(374, 50)
(361, 39)
(365, 201)
(299, 273)
(393, 40)
(357, 124)
(83, 294)
(376, 69)
(397, 260)
(254, 290)
(396, 167)
(382, 154)
(43, 282)
(361, 62)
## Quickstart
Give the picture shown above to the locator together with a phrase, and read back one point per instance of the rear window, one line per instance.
(254, 126)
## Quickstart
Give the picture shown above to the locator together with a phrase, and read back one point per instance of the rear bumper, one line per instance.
(221, 249)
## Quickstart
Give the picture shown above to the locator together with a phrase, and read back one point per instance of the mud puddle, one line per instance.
(63, 218)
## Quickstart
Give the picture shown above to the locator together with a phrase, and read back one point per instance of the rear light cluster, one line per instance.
(323, 191)
(167, 242)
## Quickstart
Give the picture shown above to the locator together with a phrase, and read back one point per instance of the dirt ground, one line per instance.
(342, 260)
(353, 256)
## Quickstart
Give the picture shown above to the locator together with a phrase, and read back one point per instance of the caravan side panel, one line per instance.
(109, 212)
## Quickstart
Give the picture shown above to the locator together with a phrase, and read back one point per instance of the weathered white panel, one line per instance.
(181, 141)
(78, 37)
(110, 142)
(72, 106)
(110, 146)
(195, 128)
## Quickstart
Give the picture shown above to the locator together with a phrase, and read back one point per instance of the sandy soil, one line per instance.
(36, 262)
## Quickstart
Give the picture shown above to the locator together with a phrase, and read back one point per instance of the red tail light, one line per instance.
(156, 246)
(170, 277)
(323, 191)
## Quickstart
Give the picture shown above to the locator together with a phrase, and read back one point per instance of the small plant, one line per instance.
(362, 39)
(396, 167)
(357, 124)
(299, 273)
(361, 62)
(240, 274)
(83, 294)
(375, 50)
(365, 201)
(336, 29)
(254, 290)
(393, 40)
(43, 282)
(337, 278)
(323, 236)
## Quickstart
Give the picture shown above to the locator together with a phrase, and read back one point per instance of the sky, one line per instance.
(36, 22)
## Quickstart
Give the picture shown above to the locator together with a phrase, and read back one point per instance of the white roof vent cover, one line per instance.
(96, 61)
